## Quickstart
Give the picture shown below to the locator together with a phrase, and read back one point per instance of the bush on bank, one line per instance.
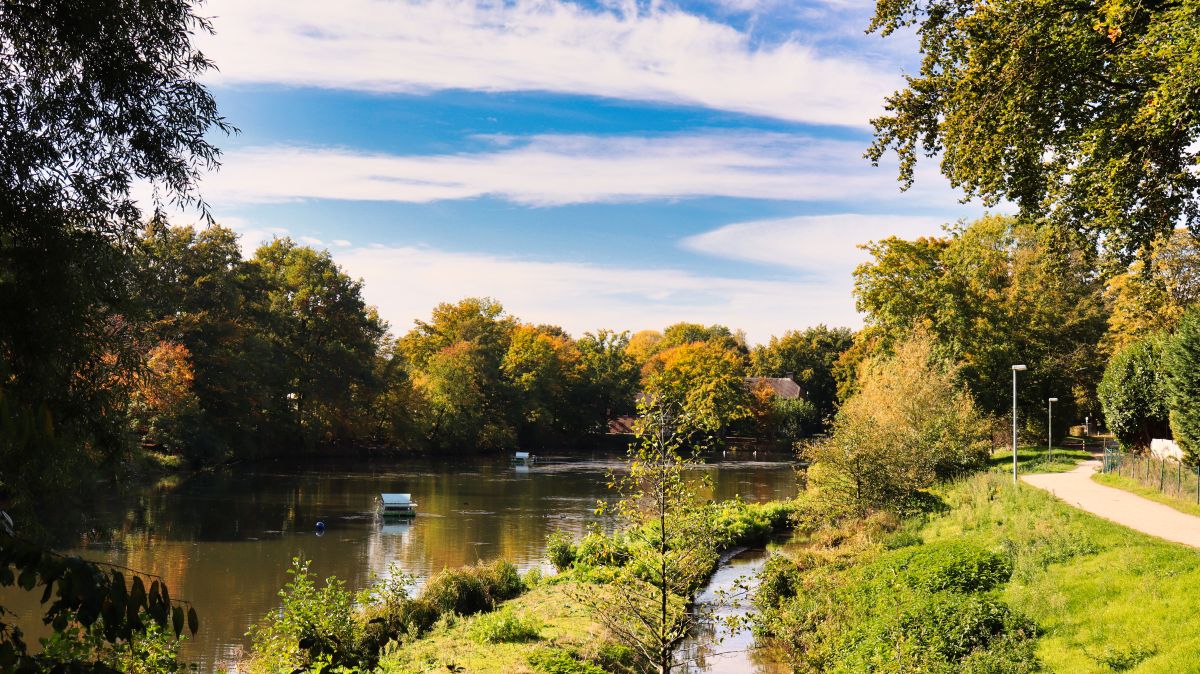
(328, 626)
(928, 608)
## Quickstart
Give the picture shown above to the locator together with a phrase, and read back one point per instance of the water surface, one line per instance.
(224, 540)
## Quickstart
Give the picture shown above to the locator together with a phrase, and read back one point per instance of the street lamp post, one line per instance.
(1015, 370)
(1050, 427)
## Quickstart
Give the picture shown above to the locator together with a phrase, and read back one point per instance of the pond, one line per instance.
(224, 540)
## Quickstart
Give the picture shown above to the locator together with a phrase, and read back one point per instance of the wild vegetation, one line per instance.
(119, 331)
(996, 579)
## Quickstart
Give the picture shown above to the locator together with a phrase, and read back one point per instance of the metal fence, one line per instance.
(1169, 476)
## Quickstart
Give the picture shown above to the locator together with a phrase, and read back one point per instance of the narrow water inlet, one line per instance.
(714, 648)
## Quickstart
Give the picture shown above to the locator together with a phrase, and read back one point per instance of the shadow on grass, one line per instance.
(925, 503)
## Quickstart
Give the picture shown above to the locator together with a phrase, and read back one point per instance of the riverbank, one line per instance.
(489, 618)
(999, 579)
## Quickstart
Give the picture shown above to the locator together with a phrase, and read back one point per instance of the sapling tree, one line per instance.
(648, 605)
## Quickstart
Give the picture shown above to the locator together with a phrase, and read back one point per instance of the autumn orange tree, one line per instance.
(164, 403)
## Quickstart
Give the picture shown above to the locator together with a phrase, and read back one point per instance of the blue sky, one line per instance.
(622, 165)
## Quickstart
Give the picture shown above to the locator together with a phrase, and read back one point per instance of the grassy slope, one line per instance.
(1101, 592)
(564, 624)
(1038, 460)
(1183, 505)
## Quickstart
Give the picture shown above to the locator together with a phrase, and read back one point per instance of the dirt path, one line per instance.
(1078, 489)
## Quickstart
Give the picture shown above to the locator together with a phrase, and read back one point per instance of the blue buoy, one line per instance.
(320, 527)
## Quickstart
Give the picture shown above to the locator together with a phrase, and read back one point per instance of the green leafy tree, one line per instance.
(455, 363)
(325, 334)
(809, 356)
(396, 409)
(199, 292)
(90, 101)
(993, 293)
(643, 345)
(909, 424)
(610, 377)
(480, 321)
(1133, 393)
(544, 370)
(1181, 363)
(1085, 113)
(462, 411)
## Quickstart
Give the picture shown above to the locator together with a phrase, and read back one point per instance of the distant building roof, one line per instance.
(784, 387)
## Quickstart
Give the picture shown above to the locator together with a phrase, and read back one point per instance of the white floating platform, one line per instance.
(397, 505)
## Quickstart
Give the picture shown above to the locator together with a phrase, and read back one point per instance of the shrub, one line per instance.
(596, 549)
(312, 623)
(503, 627)
(735, 522)
(1007, 654)
(1133, 393)
(560, 550)
(910, 423)
(383, 622)
(1124, 659)
(779, 580)
(473, 589)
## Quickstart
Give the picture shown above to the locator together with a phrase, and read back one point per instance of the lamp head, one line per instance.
(1053, 400)
(1019, 368)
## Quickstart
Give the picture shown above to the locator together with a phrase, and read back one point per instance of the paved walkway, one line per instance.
(1116, 505)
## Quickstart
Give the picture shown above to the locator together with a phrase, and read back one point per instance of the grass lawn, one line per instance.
(453, 648)
(1107, 598)
(1184, 505)
(1037, 459)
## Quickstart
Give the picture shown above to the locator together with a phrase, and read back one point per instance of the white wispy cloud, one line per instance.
(658, 53)
(827, 244)
(553, 170)
(583, 297)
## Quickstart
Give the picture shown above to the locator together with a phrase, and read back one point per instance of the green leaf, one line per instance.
(177, 620)
(193, 621)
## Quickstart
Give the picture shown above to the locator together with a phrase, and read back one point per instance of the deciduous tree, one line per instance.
(910, 423)
(1085, 113)
(1153, 293)
(706, 380)
(990, 294)
(809, 356)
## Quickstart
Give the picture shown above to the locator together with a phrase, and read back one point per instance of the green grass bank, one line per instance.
(1003, 579)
